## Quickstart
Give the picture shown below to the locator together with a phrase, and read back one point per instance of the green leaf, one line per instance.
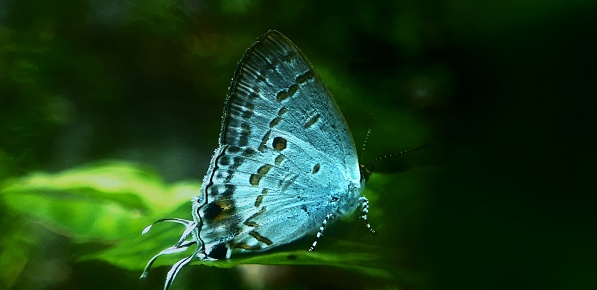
(103, 201)
(114, 201)
(346, 244)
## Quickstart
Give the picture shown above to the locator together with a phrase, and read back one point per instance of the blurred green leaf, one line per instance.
(99, 202)
(113, 201)
(347, 244)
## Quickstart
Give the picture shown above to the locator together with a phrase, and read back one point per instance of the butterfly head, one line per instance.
(365, 172)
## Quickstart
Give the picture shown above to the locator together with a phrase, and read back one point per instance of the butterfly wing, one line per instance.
(276, 90)
(286, 156)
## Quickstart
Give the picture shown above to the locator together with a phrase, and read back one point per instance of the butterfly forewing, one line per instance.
(276, 93)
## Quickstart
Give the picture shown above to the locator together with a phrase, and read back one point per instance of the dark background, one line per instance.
(505, 90)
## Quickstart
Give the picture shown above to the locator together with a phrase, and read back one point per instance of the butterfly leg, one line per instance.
(365, 212)
(320, 232)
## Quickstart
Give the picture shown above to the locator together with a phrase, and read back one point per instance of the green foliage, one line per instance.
(111, 202)
(505, 89)
(97, 202)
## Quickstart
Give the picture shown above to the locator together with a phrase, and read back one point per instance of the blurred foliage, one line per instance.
(109, 203)
(504, 89)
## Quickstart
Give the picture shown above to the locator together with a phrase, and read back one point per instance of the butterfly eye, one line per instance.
(365, 173)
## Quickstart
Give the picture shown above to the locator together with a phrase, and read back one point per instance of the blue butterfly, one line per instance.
(286, 164)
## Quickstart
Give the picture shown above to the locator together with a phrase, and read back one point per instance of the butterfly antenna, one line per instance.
(366, 138)
(399, 153)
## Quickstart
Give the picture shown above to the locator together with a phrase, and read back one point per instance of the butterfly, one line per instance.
(286, 164)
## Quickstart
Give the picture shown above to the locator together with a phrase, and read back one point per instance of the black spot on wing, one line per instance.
(211, 211)
(219, 251)
(279, 144)
(316, 168)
